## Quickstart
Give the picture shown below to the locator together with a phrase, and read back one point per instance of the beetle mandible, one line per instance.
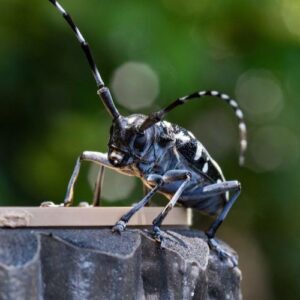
(166, 157)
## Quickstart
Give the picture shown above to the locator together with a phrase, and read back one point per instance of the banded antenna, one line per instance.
(103, 91)
(159, 115)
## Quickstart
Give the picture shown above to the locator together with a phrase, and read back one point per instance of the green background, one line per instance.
(50, 112)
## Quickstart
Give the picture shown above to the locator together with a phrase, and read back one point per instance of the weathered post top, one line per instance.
(92, 263)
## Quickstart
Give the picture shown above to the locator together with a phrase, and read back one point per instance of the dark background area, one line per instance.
(150, 53)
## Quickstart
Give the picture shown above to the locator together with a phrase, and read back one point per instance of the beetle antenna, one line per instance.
(158, 116)
(103, 91)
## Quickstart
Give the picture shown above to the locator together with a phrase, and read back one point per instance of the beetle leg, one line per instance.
(227, 186)
(98, 187)
(145, 192)
(95, 157)
(122, 223)
(215, 189)
(170, 176)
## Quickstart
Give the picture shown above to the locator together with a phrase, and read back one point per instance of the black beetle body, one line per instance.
(166, 157)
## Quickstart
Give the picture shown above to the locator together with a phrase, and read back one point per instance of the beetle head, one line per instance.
(126, 143)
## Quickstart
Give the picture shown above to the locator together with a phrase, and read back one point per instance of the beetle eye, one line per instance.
(140, 142)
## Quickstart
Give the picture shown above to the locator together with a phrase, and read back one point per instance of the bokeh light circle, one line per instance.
(273, 147)
(115, 186)
(135, 85)
(291, 15)
(217, 131)
(259, 94)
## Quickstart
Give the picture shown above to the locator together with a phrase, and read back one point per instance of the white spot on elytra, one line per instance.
(214, 93)
(167, 124)
(205, 168)
(239, 113)
(198, 151)
(233, 103)
(202, 93)
(182, 137)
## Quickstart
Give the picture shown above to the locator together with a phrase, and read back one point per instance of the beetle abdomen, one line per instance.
(210, 205)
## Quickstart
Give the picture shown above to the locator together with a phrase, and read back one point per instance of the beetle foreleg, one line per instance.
(95, 157)
(98, 187)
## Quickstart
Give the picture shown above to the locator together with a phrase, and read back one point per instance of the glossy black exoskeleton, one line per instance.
(166, 157)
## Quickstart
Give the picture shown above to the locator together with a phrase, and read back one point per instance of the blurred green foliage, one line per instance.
(50, 112)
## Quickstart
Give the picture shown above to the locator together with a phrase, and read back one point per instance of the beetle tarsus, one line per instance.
(119, 227)
(67, 203)
(156, 233)
(221, 253)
